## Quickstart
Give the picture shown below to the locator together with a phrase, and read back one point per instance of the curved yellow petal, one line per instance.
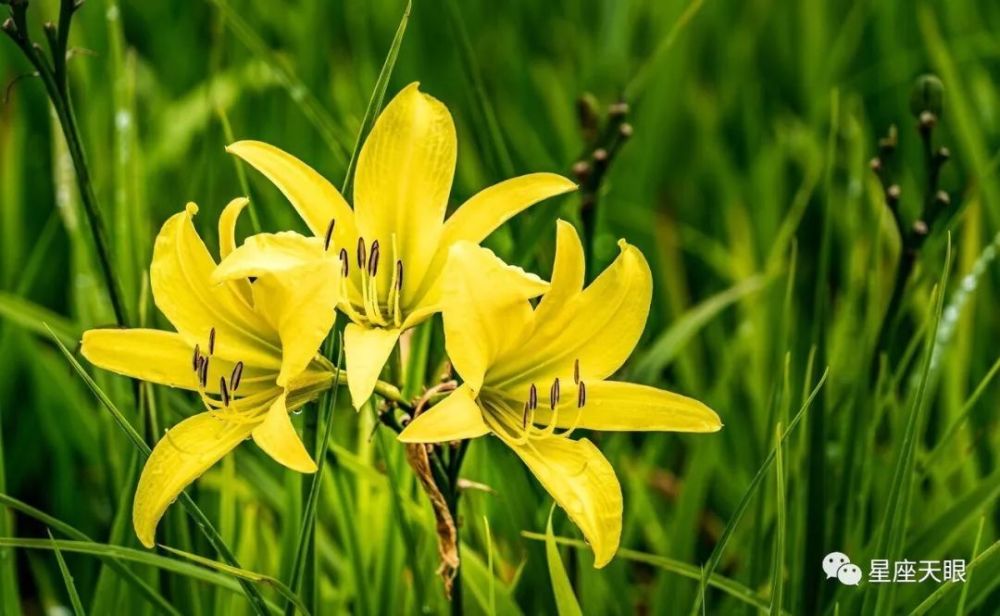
(485, 308)
(313, 196)
(491, 207)
(582, 482)
(267, 253)
(227, 240)
(475, 219)
(366, 349)
(301, 304)
(403, 180)
(568, 271)
(277, 437)
(598, 328)
(164, 358)
(185, 452)
(180, 277)
(628, 407)
(455, 418)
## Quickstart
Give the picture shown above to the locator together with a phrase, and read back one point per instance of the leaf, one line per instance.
(32, 317)
(562, 590)
(74, 597)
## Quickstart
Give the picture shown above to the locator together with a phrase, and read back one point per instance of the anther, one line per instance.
(399, 275)
(581, 396)
(576, 371)
(234, 379)
(329, 234)
(361, 252)
(524, 419)
(224, 391)
(204, 371)
(554, 394)
(196, 358)
(373, 259)
(343, 262)
(533, 397)
(211, 342)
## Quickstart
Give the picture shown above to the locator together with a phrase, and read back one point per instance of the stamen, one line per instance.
(576, 371)
(211, 342)
(196, 358)
(361, 252)
(224, 391)
(373, 260)
(399, 275)
(554, 394)
(329, 234)
(581, 396)
(204, 371)
(524, 419)
(533, 397)
(343, 262)
(234, 379)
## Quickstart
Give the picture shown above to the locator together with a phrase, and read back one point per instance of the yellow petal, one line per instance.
(403, 180)
(301, 304)
(227, 241)
(485, 308)
(567, 273)
(366, 349)
(598, 327)
(625, 407)
(277, 437)
(582, 482)
(313, 197)
(267, 253)
(185, 452)
(163, 358)
(454, 418)
(488, 209)
(180, 277)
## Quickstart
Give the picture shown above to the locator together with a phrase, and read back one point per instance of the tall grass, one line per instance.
(747, 185)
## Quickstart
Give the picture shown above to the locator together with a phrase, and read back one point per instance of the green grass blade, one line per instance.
(34, 318)
(376, 100)
(778, 573)
(946, 589)
(716, 556)
(491, 608)
(74, 596)
(562, 590)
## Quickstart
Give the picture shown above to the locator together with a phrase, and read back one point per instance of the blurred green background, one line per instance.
(747, 185)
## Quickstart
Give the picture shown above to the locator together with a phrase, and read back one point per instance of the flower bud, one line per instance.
(927, 95)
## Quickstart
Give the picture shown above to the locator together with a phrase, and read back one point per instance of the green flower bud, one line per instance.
(927, 96)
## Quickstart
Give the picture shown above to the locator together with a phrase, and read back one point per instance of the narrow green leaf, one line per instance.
(778, 573)
(562, 590)
(32, 317)
(74, 596)
(376, 100)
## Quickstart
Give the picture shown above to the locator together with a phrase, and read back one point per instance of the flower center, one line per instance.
(379, 306)
(226, 405)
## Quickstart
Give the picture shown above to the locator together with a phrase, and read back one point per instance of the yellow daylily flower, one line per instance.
(529, 372)
(394, 244)
(249, 350)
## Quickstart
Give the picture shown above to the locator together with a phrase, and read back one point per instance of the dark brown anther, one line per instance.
(576, 371)
(554, 394)
(237, 375)
(581, 396)
(361, 253)
(533, 397)
(344, 267)
(196, 358)
(524, 418)
(399, 275)
(224, 391)
(211, 342)
(329, 234)
(204, 371)
(373, 259)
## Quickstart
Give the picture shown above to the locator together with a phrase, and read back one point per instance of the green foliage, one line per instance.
(745, 182)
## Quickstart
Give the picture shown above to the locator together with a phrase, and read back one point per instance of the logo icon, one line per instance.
(838, 565)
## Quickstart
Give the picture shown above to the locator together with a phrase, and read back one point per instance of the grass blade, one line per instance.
(562, 590)
(778, 574)
(74, 597)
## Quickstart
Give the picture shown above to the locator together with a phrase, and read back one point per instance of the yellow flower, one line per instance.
(250, 351)
(394, 244)
(533, 375)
